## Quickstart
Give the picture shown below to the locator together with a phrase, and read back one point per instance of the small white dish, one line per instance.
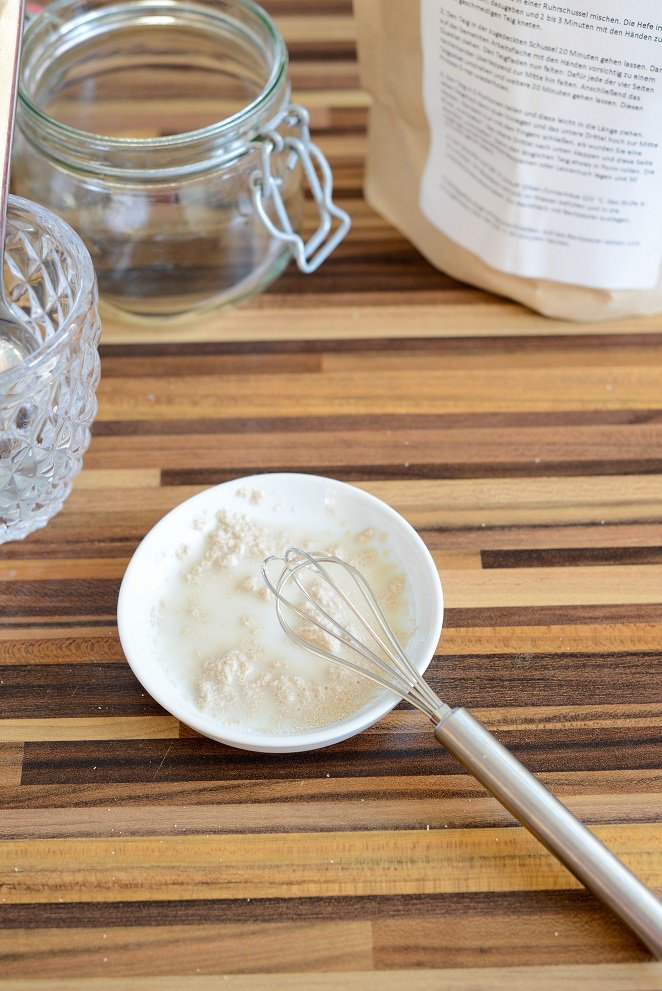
(283, 498)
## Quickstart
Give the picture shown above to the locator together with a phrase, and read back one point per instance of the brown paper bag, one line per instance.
(390, 55)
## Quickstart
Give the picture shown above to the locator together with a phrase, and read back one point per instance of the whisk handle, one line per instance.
(549, 820)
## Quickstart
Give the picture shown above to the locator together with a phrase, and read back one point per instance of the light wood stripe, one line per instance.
(442, 502)
(447, 359)
(299, 865)
(54, 568)
(530, 501)
(397, 393)
(587, 637)
(552, 586)
(329, 28)
(75, 645)
(473, 449)
(78, 646)
(472, 588)
(119, 478)
(378, 813)
(530, 717)
(114, 568)
(333, 322)
(280, 947)
(92, 728)
(11, 763)
(607, 977)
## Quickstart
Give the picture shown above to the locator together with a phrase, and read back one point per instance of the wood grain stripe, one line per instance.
(399, 393)
(373, 321)
(408, 470)
(568, 556)
(201, 949)
(352, 908)
(508, 347)
(498, 679)
(615, 747)
(96, 690)
(207, 452)
(341, 421)
(60, 597)
(76, 646)
(553, 616)
(288, 866)
(122, 478)
(583, 637)
(91, 728)
(511, 587)
(545, 501)
(52, 569)
(437, 789)
(11, 763)
(564, 977)
(331, 815)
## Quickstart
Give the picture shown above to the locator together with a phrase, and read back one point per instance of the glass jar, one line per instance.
(162, 131)
(47, 396)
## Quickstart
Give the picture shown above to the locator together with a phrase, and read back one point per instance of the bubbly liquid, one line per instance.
(218, 638)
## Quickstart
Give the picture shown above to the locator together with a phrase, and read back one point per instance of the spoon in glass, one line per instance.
(17, 339)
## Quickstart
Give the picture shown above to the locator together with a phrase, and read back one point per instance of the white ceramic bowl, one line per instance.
(285, 497)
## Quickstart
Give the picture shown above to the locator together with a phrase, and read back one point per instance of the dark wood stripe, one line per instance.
(212, 364)
(61, 597)
(531, 344)
(362, 473)
(551, 615)
(199, 911)
(485, 918)
(571, 556)
(35, 691)
(321, 51)
(96, 530)
(34, 622)
(221, 792)
(376, 422)
(321, 8)
(372, 754)
(53, 544)
(547, 679)
(393, 266)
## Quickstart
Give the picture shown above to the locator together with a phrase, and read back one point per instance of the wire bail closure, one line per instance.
(265, 188)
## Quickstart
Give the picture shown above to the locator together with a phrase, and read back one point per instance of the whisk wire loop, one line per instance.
(396, 673)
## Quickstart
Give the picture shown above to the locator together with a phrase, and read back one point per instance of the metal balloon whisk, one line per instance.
(390, 668)
(324, 594)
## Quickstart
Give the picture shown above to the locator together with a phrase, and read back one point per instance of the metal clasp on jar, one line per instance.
(265, 187)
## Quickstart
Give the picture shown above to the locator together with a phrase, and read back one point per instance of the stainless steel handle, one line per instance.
(572, 843)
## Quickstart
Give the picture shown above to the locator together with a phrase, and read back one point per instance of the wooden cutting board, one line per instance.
(528, 453)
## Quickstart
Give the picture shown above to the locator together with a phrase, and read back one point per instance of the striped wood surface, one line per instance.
(528, 454)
